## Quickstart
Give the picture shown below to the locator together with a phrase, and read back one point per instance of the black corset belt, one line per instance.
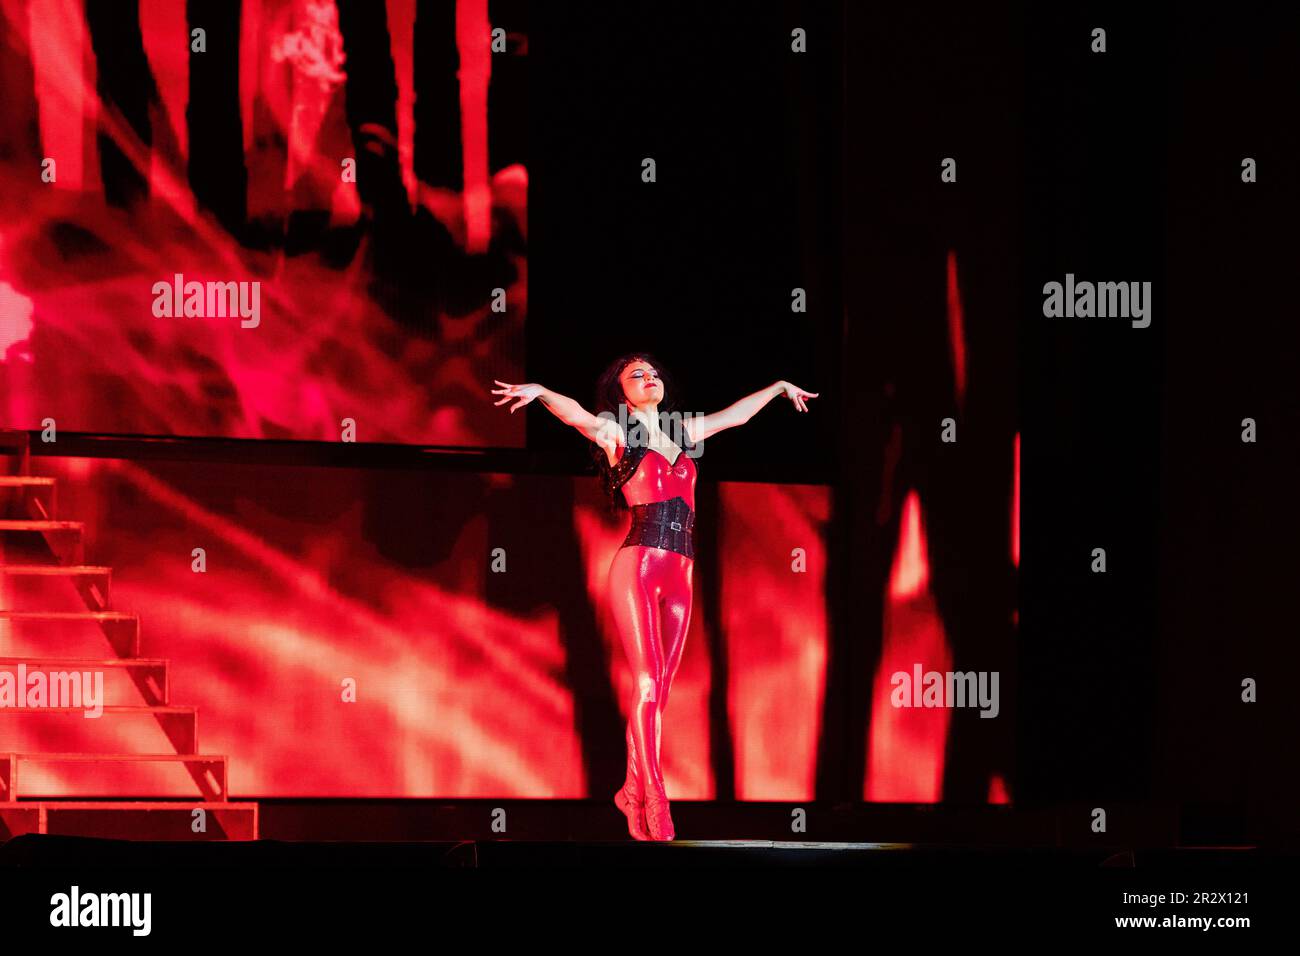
(663, 524)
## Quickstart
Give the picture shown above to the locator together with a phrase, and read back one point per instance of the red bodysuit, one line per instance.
(650, 598)
(658, 480)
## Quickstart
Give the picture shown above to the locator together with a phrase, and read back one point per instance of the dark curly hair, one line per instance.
(610, 398)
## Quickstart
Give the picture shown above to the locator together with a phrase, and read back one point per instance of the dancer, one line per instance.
(650, 576)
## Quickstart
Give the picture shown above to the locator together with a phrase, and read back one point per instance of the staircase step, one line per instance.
(21, 492)
(129, 819)
(68, 615)
(120, 628)
(81, 575)
(175, 775)
(28, 496)
(66, 539)
(145, 676)
(118, 729)
(54, 586)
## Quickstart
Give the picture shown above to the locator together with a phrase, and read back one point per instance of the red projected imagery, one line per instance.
(358, 644)
(260, 220)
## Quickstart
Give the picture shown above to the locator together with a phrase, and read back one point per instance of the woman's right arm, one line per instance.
(603, 431)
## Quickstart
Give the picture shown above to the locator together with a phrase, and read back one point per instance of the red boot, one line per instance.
(630, 798)
(658, 820)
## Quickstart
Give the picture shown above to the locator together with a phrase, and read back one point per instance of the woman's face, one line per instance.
(641, 384)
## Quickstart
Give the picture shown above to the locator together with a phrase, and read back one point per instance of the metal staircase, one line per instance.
(59, 771)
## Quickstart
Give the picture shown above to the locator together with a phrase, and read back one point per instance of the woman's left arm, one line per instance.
(700, 427)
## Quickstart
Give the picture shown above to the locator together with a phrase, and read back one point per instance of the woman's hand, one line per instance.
(524, 394)
(796, 395)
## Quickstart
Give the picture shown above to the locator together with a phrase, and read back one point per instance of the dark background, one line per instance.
(1123, 166)
(697, 267)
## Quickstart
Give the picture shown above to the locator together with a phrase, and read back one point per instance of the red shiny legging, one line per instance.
(650, 596)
